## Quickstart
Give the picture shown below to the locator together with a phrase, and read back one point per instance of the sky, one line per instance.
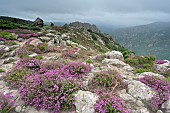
(100, 12)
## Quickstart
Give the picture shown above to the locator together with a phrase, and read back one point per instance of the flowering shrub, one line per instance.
(19, 31)
(160, 62)
(2, 39)
(28, 42)
(69, 53)
(75, 69)
(27, 50)
(107, 80)
(30, 63)
(108, 103)
(54, 89)
(161, 86)
(25, 67)
(6, 103)
(14, 77)
(26, 36)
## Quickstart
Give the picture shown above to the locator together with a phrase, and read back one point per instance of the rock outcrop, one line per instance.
(85, 26)
(38, 22)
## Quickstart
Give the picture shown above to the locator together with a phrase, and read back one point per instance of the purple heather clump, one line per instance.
(28, 63)
(6, 103)
(28, 42)
(2, 39)
(26, 36)
(108, 103)
(160, 62)
(75, 69)
(53, 90)
(161, 86)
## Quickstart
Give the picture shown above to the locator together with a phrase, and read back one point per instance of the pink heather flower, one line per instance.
(161, 86)
(160, 62)
(2, 39)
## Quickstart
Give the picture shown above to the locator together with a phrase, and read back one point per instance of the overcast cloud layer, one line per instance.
(102, 12)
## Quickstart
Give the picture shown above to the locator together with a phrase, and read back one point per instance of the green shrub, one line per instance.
(107, 80)
(89, 61)
(38, 57)
(42, 47)
(1, 70)
(14, 78)
(131, 61)
(7, 35)
(74, 40)
(168, 79)
(94, 37)
(141, 70)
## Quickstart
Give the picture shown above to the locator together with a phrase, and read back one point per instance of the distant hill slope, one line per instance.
(15, 20)
(150, 39)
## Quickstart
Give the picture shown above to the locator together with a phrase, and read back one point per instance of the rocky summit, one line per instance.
(76, 69)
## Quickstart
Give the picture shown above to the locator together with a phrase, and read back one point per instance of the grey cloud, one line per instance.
(106, 12)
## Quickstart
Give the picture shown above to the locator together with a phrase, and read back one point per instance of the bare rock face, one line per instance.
(114, 55)
(140, 91)
(85, 101)
(38, 22)
(166, 106)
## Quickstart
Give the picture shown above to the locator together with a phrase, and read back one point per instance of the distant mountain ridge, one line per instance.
(150, 39)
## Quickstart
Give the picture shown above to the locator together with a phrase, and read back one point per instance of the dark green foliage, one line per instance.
(1, 70)
(94, 37)
(74, 40)
(141, 70)
(7, 36)
(127, 54)
(38, 57)
(15, 77)
(42, 47)
(12, 25)
(142, 64)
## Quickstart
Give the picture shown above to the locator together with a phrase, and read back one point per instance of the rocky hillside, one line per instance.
(151, 39)
(71, 70)
(85, 26)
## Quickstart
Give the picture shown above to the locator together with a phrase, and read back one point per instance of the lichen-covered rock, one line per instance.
(114, 55)
(85, 101)
(164, 67)
(35, 42)
(149, 74)
(166, 106)
(140, 91)
(4, 48)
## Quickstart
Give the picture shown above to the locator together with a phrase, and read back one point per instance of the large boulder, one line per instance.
(38, 22)
(114, 55)
(166, 106)
(140, 91)
(4, 48)
(85, 101)
(149, 74)
(162, 66)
